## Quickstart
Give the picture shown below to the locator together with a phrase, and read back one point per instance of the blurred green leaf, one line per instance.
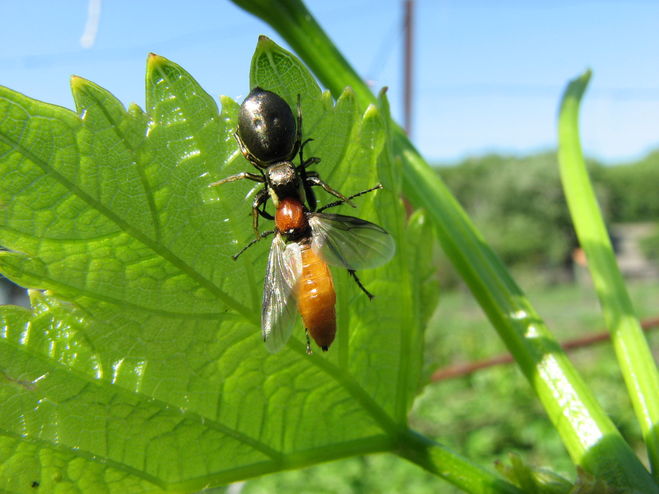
(533, 480)
(632, 351)
(141, 366)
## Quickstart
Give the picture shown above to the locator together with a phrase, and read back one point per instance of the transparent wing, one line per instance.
(279, 307)
(350, 242)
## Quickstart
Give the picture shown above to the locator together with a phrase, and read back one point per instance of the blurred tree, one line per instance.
(518, 204)
(650, 245)
(633, 190)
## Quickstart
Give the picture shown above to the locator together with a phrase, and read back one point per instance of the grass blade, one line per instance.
(632, 351)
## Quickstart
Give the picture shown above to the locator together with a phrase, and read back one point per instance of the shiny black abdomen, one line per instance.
(267, 127)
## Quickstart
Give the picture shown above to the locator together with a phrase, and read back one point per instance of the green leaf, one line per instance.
(141, 367)
(533, 480)
(634, 355)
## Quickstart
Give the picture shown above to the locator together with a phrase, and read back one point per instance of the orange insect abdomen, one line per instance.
(290, 216)
(316, 298)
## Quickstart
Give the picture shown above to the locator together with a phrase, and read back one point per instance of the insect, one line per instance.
(305, 240)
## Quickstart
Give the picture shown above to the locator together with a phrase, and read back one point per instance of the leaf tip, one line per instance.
(584, 78)
(85, 91)
(228, 102)
(347, 93)
(347, 97)
(265, 44)
(575, 90)
(371, 111)
(263, 39)
(154, 61)
(78, 83)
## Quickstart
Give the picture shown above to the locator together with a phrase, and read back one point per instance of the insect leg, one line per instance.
(246, 152)
(252, 242)
(359, 284)
(311, 197)
(310, 161)
(239, 176)
(298, 131)
(314, 180)
(306, 333)
(338, 203)
(259, 201)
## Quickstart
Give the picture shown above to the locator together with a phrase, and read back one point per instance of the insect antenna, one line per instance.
(252, 242)
(338, 203)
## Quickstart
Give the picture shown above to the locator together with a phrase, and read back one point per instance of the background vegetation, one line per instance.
(518, 205)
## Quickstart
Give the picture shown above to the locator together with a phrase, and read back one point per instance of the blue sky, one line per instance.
(488, 74)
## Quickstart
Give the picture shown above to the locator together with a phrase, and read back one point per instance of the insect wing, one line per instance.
(350, 242)
(279, 308)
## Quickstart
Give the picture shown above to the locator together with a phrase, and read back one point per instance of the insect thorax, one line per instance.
(284, 181)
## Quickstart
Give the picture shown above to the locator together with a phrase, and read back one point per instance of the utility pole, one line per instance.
(408, 27)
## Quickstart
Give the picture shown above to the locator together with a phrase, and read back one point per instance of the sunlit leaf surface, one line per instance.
(140, 366)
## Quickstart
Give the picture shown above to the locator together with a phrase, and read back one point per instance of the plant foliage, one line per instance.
(140, 366)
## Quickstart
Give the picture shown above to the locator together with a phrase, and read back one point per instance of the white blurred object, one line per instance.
(91, 27)
(236, 487)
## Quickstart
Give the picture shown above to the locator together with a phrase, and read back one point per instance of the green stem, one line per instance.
(298, 27)
(634, 355)
(440, 461)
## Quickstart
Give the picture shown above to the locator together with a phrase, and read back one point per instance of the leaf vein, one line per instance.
(116, 127)
(344, 379)
(152, 244)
